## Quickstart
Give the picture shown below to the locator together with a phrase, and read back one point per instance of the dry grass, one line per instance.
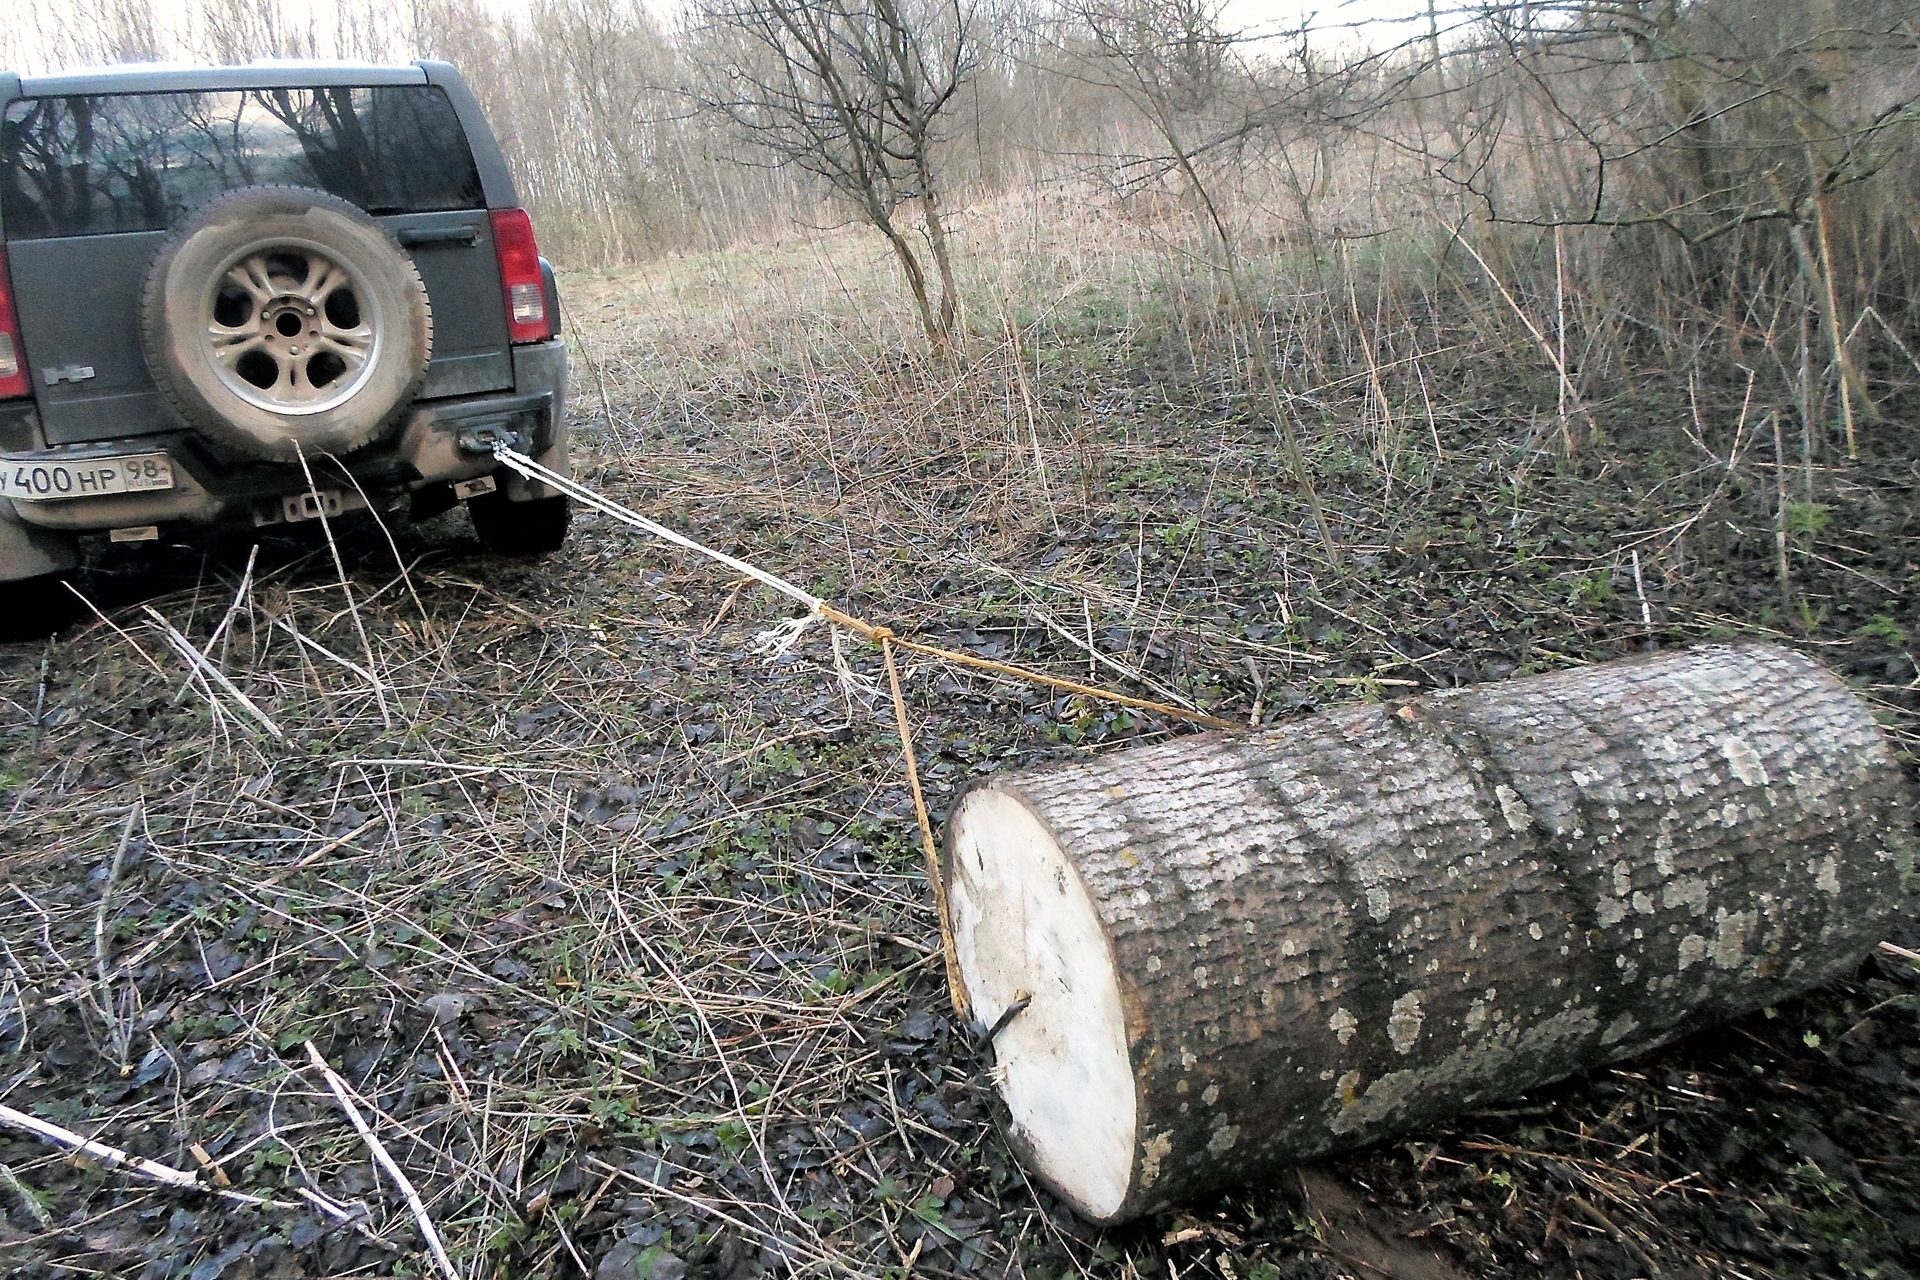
(532, 873)
(619, 930)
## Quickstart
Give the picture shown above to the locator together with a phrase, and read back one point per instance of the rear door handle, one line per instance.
(426, 237)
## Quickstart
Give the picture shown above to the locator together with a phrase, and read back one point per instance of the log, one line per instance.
(1243, 951)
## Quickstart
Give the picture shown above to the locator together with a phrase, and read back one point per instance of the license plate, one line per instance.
(26, 480)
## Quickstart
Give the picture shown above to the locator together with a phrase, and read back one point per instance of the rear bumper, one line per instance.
(27, 552)
(438, 442)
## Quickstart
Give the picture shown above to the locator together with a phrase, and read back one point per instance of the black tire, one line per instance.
(520, 528)
(37, 607)
(281, 320)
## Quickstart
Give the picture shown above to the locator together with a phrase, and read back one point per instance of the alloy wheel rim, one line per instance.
(286, 328)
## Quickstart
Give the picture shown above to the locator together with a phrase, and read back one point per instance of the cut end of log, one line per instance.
(1024, 926)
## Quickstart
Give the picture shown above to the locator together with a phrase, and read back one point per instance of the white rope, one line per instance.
(851, 681)
(532, 470)
(774, 642)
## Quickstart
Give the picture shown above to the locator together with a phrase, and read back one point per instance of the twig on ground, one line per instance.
(116, 628)
(115, 1027)
(1095, 656)
(139, 1166)
(330, 655)
(1640, 590)
(346, 587)
(239, 595)
(406, 577)
(40, 699)
(385, 1161)
(200, 662)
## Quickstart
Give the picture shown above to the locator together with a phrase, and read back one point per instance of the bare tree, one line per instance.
(853, 92)
(84, 32)
(1739, 143)
(1170, 59)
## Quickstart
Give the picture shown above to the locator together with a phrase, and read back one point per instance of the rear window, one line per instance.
(78, 166)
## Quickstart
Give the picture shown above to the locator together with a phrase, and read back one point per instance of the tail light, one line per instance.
(13, 356)
(520, 276)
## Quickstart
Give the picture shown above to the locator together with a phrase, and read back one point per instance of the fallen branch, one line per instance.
(198, 660)
(115, 1027)
(139, 1166)
(330, 655)
(386, 1161)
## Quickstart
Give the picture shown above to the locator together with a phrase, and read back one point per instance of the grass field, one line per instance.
(619, 927)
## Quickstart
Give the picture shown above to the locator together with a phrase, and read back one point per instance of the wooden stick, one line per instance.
(1780, 514)
(139, 1166)
(956, 993)
(329, 654)
(239, 595)
(386, 1161)
(198, 659)
(346, 587)
(114, 1025)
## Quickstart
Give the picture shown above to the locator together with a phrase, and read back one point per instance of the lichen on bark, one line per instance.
(1379, 915)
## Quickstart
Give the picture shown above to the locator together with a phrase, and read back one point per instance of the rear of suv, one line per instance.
(248, 296)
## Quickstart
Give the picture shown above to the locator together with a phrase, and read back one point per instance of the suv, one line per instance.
(246, 296)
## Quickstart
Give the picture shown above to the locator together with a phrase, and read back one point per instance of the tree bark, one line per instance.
(916, 283)
(943, 263)
(1244, 951)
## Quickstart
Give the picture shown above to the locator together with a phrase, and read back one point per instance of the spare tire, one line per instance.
(281, 320)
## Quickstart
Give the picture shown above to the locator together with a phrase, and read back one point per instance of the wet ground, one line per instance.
(618, 930)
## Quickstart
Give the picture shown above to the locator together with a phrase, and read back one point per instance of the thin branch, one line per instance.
(387, 1162)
